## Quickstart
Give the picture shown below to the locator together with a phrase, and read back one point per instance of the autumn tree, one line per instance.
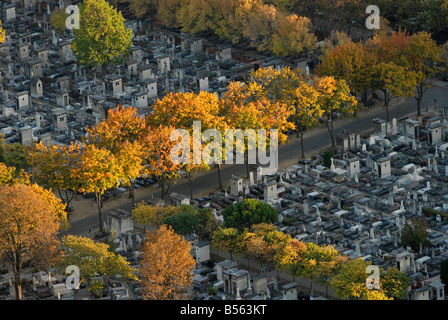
(191, 115)
(335, 100)
(305, 99)
(256, 247)
(395, 283)
(53, 166)
(27, 232)
(98, 170)
(157, 146)
(11, 176)
(102, 39)
(350, 281)
(293, 35)
(248, 110)
(144, 7)
(95, 262)
(288, 258)
(168, 11)
(351, 62)
(424, 58)
(248, 212)
(147, 214)
(228, 240)
(394, 81)
(215, 15)
(166, 265)
(119, 133)
(273, 239)
(2, 34)
(318, 262)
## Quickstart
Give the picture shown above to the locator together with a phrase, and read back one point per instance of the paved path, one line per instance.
(315, 141)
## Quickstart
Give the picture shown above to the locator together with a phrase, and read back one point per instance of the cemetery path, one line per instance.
(85, 216)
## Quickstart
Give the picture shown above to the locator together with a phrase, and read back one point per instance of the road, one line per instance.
(314, 142)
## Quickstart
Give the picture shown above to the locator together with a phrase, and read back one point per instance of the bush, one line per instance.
(327, 158)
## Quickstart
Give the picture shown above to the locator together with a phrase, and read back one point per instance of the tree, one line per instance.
(119, 133)
(28, 230)
(183, 223)
(153, 215)
(227, 239)
(95, 261)
(248, 212)
(16, 155)
(256, 247)
(215, 15)
(424, 57)
(166, 265)
(293, 35)
(395, 283)
(102, 39)
(53, 166)
(58, 18)
(247, 108)
(415, 233)
(142, 7)
(11, 176)
(181, 111)
(394, 81)
(289, 257)
(207, 224)
(98, 171)
(168, 11)
(157, 146)
(350, 281)
(335, 100)
(2, 34)
(305, 99)
(328, 155)
(348, 61)
(318, 262)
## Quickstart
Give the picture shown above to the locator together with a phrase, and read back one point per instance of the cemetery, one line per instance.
(360, 204)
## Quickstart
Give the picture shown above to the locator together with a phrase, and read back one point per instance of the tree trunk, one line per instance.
(301, 144)
(386, 104)
(17, 275)
(329, 124)
(99, 205)
(131, 192)
(162, 186)
(246, 156)
(311, 285)
(219, 175)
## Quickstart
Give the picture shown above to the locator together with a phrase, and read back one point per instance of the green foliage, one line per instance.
(415, 233)
(58, 18)
(328, 155)
(395, 283)
(248, 212)
(102, 39)
(183, 223)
